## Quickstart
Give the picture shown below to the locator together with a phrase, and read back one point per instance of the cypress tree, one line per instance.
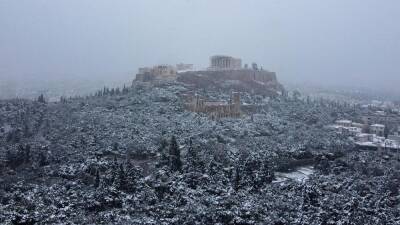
(121, 177)
(194, 161)
(97, 181)
(41, 99)
(236, 181)
(174, 155)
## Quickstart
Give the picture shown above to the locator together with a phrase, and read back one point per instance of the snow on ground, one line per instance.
(301, 174)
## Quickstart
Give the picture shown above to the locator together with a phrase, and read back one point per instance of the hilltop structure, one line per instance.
(181, 67)
(222, 62)
(158, 72)
(226, 73)
(223, 73)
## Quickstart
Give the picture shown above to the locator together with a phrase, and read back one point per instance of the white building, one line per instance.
(354, 130)
(344, 123)
(363, 137)
(395, 138)
(378, 129)
(347, 127)
(359, 125)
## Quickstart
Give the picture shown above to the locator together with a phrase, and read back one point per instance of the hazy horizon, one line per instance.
(348, 43)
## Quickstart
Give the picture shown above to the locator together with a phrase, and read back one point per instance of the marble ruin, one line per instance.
(158, 72)
(184, 67)
(222, 62)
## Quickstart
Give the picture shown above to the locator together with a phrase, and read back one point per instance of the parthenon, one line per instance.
(221, 62)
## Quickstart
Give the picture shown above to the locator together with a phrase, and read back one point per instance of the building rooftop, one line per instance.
(364, 135)
(343, 121)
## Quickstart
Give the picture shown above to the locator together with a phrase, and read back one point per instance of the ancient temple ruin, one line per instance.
(158, 72)
(222, 62)
(225, 73)
(181, 67)
(216, 109)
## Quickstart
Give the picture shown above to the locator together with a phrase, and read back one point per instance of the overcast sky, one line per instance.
(354, 42)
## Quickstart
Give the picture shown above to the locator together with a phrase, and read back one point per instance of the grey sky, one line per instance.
(329, 41)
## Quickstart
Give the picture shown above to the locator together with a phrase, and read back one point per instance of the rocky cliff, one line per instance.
(246, 80)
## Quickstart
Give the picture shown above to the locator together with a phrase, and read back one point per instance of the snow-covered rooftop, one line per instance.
(343, 121)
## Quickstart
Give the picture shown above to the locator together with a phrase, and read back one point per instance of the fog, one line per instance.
(336, 42)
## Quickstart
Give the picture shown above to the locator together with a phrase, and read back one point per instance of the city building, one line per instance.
(363, 137)
(359, 125)
(367, 136)
(222, 62)
(377, 129)
(344, 123)
(380, 113)
(354, 130)
(395, 138)
(367, 119)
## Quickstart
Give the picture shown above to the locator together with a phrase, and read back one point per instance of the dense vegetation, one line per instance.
(136, 156)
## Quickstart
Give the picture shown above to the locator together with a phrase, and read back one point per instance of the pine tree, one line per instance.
(97, 181)
(105, 91)
(163, 145)
(115, 161)
(115, 146)
(26, 130)
(163, 159)
(193, 160)
(26, 153)
(42, 159)
(174, 155)
(236, 181)
(121, 178)
(124, 90)
(266, 174)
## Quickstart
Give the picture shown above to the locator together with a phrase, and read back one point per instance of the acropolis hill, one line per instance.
(224, 73)
(243, 80)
